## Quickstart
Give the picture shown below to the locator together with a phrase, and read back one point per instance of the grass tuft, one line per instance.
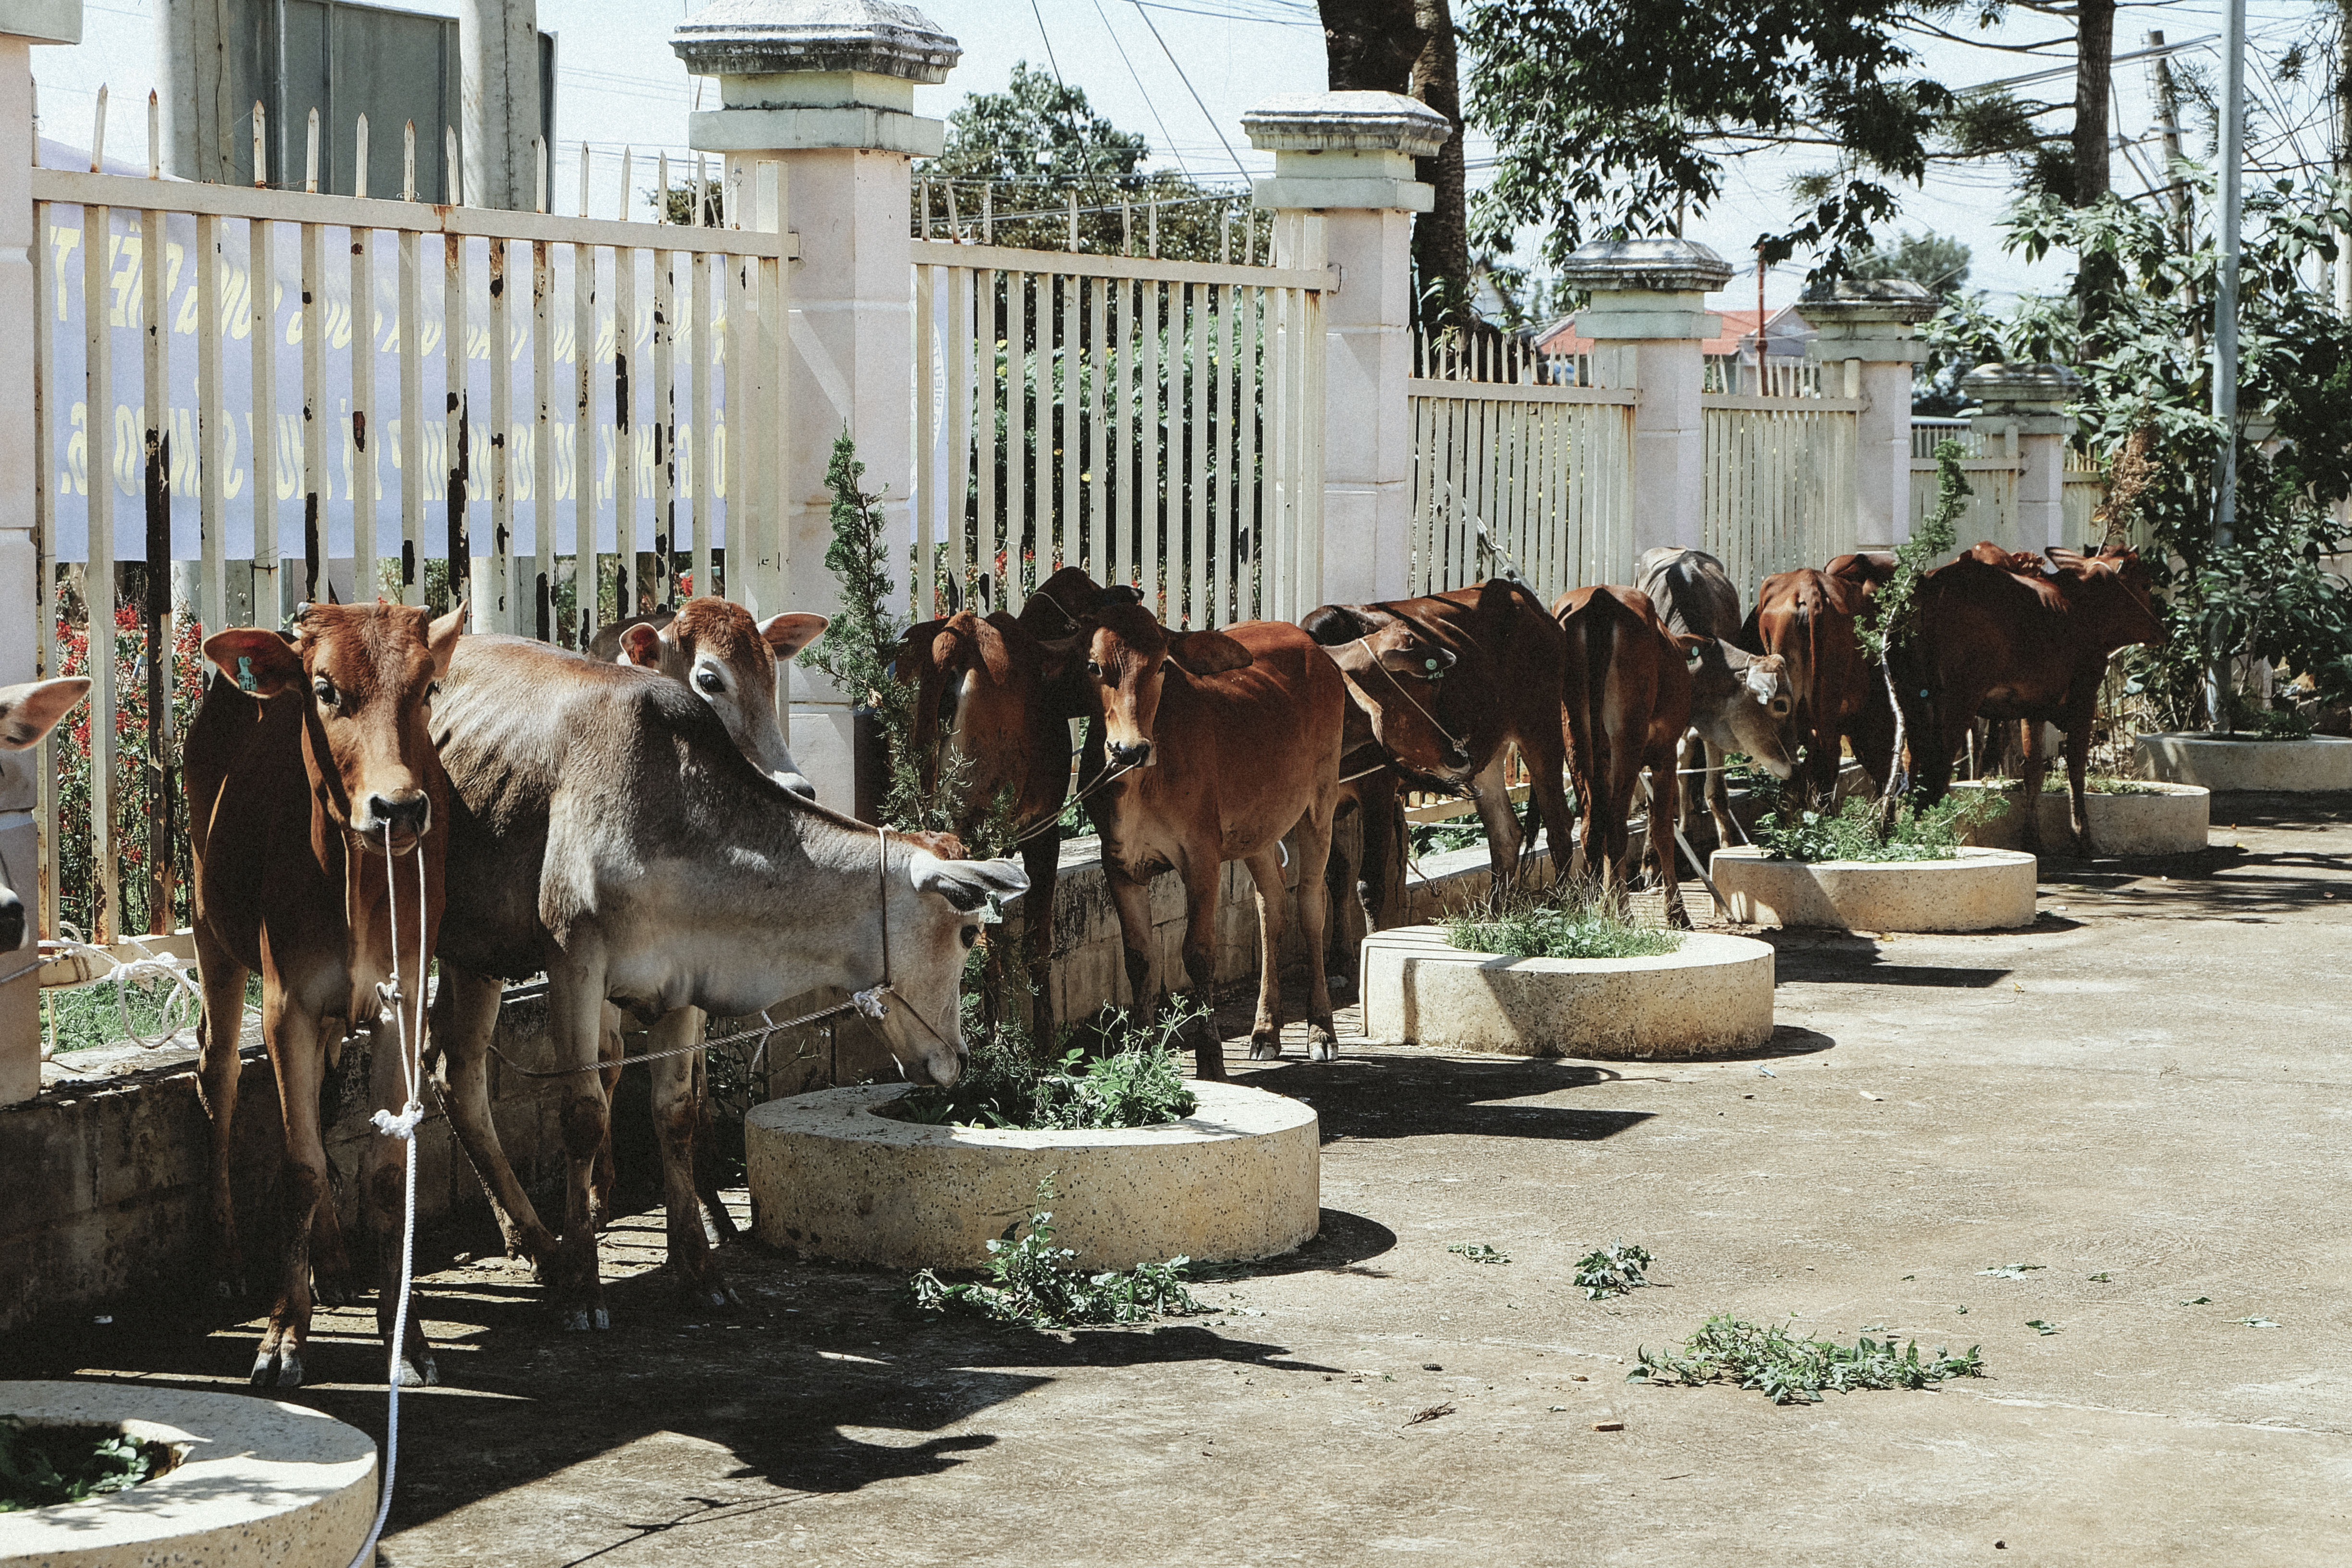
(1793, 1370)
(1031, 1280)
(1562, 921)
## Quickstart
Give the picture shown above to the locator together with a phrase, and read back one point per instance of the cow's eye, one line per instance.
(324, 691)
(431, 690)
(707, 680)
(1094, 670)
(969, 935)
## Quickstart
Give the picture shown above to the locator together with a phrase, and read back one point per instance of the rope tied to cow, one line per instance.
(1452, 739)
(123, 973)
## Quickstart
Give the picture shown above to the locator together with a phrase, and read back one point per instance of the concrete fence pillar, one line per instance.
(1647, 320)
(1866, 340)
(22, 24)
(1343, 194)
(827, 89)
(2029, 402)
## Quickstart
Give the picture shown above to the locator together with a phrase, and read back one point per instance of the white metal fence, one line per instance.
(248, 402)
(1779, 487)
(1157, 423)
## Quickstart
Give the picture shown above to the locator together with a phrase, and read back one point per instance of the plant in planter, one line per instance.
(1137, 1081)
(1862, 831)
(42, 1464)
(1563, 921)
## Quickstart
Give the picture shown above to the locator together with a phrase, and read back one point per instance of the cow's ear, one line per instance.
(257, 658)
(29, 712)
(1334, 625)
(793, 631)
(1207, 653)
(994, 652)
(1058, 657)
(441, 637)
(641, 646)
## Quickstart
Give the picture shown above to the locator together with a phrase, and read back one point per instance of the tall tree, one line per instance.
(2095, 55)
(1371, 45)
(1441, 237)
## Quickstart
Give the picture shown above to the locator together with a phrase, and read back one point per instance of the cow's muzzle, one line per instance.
(397, 819)
(1132, 756)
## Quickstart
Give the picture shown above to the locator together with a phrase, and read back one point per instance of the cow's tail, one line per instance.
(1584, 681)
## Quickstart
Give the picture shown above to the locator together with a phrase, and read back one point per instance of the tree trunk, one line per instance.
(1370, 45)
(1441, 237)
(2343, 151)
(2094, 49)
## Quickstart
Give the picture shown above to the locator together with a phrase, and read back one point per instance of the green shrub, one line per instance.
(1931, 833)
(40, 1465)
(1562, 921)
(1137, 1082)
(1031, 1280)
(1793, 1370)
(1613, 1271)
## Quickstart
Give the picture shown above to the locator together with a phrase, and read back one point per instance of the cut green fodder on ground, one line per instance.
(1791, 1370)
(1031, 1280)
(1613, 1271)
(42, 1465)
(1559, 922)
(1479, 1252)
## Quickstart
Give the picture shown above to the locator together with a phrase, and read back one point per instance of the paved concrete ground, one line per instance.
(2148, 1096)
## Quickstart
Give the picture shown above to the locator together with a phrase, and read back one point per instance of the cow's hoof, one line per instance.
(279, 1368)
(418, 1372)
(1321, 1047)
(1266, 1049)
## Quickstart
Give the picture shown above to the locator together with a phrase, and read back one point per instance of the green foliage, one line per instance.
(1612, 1271)
(40, 1465)
(1038, 141)
(1139, 1082)
(1610, 116)
(1439, 837)
(1031, 1280)
(1937, 263)
(1917, 833)
(1793, 1370)
(1894, 611)
(1478, 1252)
(1563, 920)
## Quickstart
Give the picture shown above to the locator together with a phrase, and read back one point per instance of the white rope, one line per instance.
(123, 973)
(404, 1127)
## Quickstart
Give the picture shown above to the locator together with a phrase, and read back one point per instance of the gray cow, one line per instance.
(1740, 701)
(606, 830)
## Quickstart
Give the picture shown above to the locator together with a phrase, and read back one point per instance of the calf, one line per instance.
(1218, 744)
(318, 819)
(990, 726)
(1806, 618)
(611, 834)
(27, 713)
(2009, 637)
(1740, 701)
(1449, 683)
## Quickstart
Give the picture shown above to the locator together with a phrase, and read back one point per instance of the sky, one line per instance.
(1182, 72)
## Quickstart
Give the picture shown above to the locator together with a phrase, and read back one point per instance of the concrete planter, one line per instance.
(2221, 765)
(257, 1482)
(1713, 996)
(2171, 822)
(1981, 890)
(1239, 1178)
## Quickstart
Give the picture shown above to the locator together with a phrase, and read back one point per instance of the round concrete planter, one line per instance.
(2220, 764)
(2173, 821)
(1239, 1178)
(1713, 996)
(1981, 890)
(257, 1482)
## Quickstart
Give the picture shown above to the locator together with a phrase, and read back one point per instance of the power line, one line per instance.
(1148, 102)
(1048, 37)
(1187, 80)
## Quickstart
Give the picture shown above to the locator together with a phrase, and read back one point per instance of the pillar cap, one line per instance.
(1646, 266)
(1871, 301)
(772, 37)
(2016, 387)
(42, 21)
(1345, 122)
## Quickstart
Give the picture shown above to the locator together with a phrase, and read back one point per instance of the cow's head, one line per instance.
(27, 713)
(1064, 601)
(976, 689)
(1742, 702)
(2117, 587)
(936, 918)
(1128, 655)
(726, 658)
(1396, 673)
(366, 674)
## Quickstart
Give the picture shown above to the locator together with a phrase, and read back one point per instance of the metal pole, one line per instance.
(2225, 323)
(498, 47)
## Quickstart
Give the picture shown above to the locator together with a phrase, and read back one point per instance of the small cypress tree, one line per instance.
(1888, 629)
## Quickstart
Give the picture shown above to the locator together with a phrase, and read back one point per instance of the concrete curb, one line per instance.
(2293, 767)
(1979, 889)
(2174, 821)
(1713, 996)
(257, 1481)
(1239, 1178)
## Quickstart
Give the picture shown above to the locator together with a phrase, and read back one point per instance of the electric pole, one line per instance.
(498, 47)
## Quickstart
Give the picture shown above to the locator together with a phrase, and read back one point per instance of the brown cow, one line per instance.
(1218, 744)
(315, 807)
(1807, 618)
(1449, 684)
(1625, 703)
(1740, 702)
(990, 724)
(2009, 637)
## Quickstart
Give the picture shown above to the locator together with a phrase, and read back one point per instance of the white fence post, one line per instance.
(825, 89)
(1647, 320)
(1343, 194)
(2029, 402)
(23, 22)
(1867, 346)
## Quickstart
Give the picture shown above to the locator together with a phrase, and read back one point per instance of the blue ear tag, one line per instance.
(244, 682)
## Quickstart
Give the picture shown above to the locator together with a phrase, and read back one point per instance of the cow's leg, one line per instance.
(2029, 799)
(468, 1013)
(1718, 799)
(610, 1049)
(299, 1060)
(2078, 767)
(383, 1209)
(1314, 849)
(1491, 790)
(217, 1036)
(1041, 857)
(1546, 768)
(1201, 875)
(1345, 930)
(1666, 790)
(706, 1167)
(676, 1116)
(575, 995)
(1266, 875)
(1131, 897)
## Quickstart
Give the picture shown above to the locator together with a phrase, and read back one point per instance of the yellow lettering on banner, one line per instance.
(129, 450)
(607, 484)
(604, 340)
(564, 478)
(385, 344)
(563, 339)
(185, 320)
(123, 282)
(519, 475)
(390, 441)
(77, 451)
(175, 255)
(428, 337)
(289, 455)
(718, 337)
(339, 326)
(644, 436)
(237, 303)
(477, 343)
(232, 475)
(184, 472)
(62, 241)
(517, 335)
(718, 455)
